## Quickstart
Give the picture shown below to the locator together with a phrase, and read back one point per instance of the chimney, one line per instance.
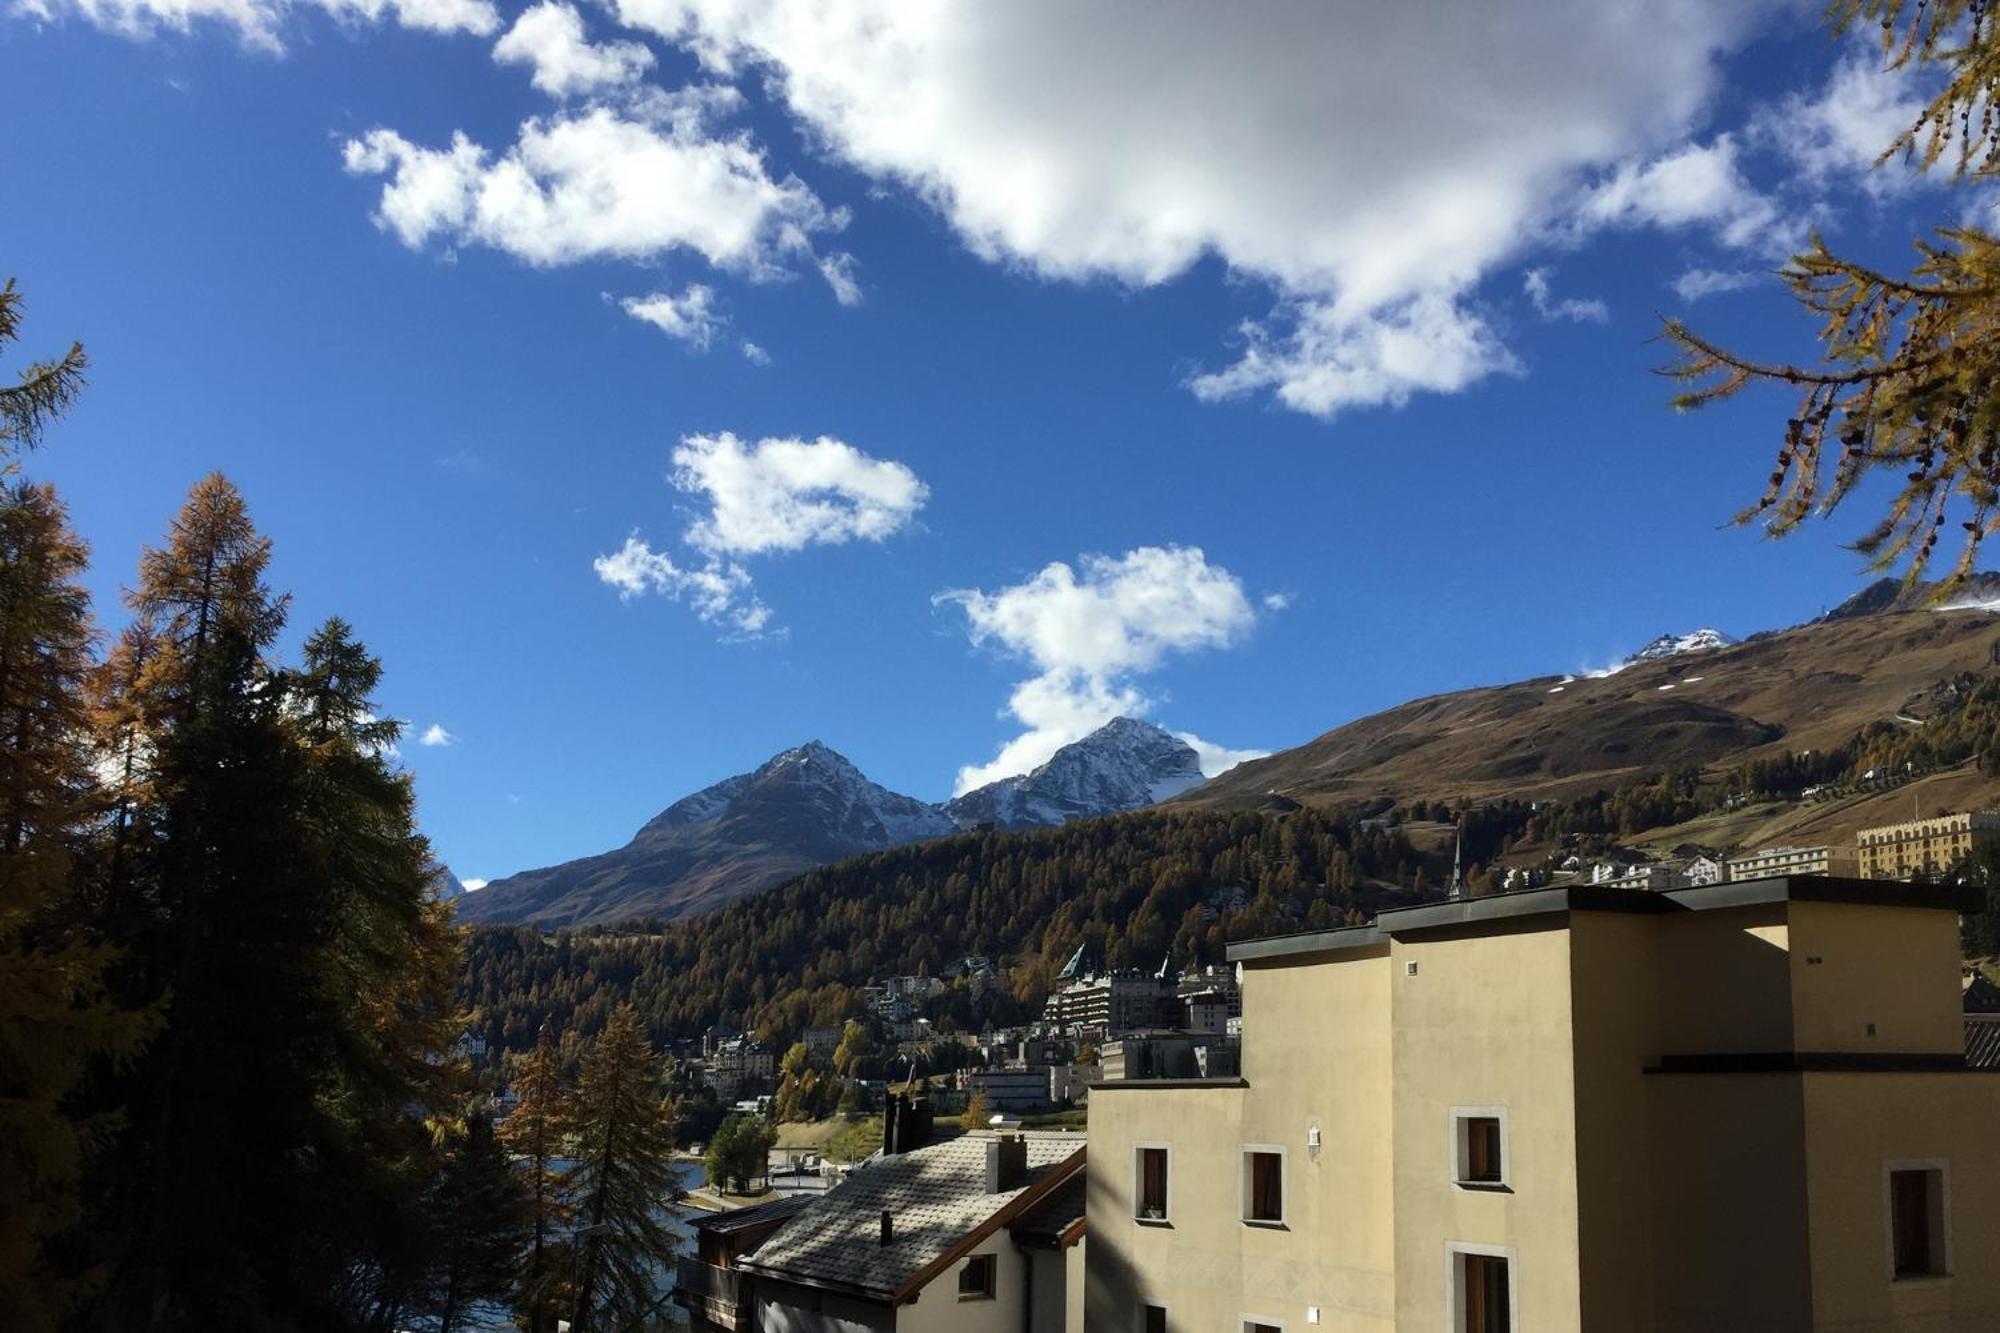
(888, 1229)
(889, 1104)
(1006, 1163)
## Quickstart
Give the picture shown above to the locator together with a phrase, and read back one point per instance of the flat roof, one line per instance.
(1496, 907)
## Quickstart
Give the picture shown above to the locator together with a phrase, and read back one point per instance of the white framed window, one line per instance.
(1152, 1183)
(1261, 1185)
(1481, 1293)
(1919, 1214)
(1152, 1317)
(976, 1278)
(1479, 1148)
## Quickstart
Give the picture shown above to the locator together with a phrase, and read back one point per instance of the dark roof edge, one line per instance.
(1816, 1062)
(1121, 1083)
(1343, 940)
(1495, 907)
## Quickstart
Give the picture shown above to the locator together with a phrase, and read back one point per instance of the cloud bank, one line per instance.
(1130, 142)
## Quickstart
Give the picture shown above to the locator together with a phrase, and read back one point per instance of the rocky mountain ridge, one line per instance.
(809, 806)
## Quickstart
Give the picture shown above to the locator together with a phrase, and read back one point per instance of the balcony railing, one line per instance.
(718, 1295)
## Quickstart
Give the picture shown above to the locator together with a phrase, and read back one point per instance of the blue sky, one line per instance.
(1318, 358)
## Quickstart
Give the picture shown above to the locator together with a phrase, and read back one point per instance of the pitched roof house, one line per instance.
(978, 1233)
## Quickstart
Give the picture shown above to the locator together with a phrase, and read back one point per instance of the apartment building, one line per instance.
(1740, 1106)
(1923, 846)
(1115, 1002)
(1776, 862)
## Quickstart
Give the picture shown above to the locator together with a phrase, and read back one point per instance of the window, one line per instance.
(1150, 1198)
(1482, 1290)
(1264, 1185)
(1918, 1241)
(975, 1280)
(1260, 1324)
(1152, 1319)
(1479, 1147)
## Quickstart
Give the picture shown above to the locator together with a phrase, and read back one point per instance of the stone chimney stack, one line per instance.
(1006, 1163)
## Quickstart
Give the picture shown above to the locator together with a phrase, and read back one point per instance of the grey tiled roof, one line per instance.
(936, 1195)
(1045, 1221)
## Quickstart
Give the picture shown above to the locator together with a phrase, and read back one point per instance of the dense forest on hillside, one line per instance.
(1133, 888)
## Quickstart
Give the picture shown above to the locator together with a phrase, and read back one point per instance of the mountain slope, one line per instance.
(808, 807)
(1810, 686)
(803, 808)
(1123, 765)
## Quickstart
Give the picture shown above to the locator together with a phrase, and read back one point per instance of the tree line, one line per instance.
(1132, 890)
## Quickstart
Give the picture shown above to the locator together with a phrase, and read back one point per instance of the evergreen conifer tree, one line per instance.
(738, 1153)
(272, 890)
(480, 1207)
(623, 1182)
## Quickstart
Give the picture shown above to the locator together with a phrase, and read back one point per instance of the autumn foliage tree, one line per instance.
(536, 1133)
(623, 1183)
(58, 1017)
(1910, 362)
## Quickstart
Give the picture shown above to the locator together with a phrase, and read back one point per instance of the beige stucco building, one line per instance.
(1923, 846)
(1776, 862)
(1726, 1107)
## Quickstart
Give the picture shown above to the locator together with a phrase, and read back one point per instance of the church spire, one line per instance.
(1455, 890)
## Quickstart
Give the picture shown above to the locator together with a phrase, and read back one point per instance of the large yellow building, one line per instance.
(1729, 1107)
(1923, 846)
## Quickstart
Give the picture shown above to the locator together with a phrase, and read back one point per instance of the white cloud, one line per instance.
(1695, 185)
(689, 317)
(1843, 129)
(838, 270)
(1536, 285)
(1216, 759)
(1696, 283)
(1277, 601)
(1313, 153)
(633, 183)
(1320, 359)
(754, 354)
(771, 496)
(261, 23)
(1088, 634)
(720, 592)
(435, 735)
(787, 494)
(550, 38)
(474, 885)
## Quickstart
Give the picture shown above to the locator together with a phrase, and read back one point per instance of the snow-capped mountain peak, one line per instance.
(1123, 765)
(1673, 645)
(1667, 645)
